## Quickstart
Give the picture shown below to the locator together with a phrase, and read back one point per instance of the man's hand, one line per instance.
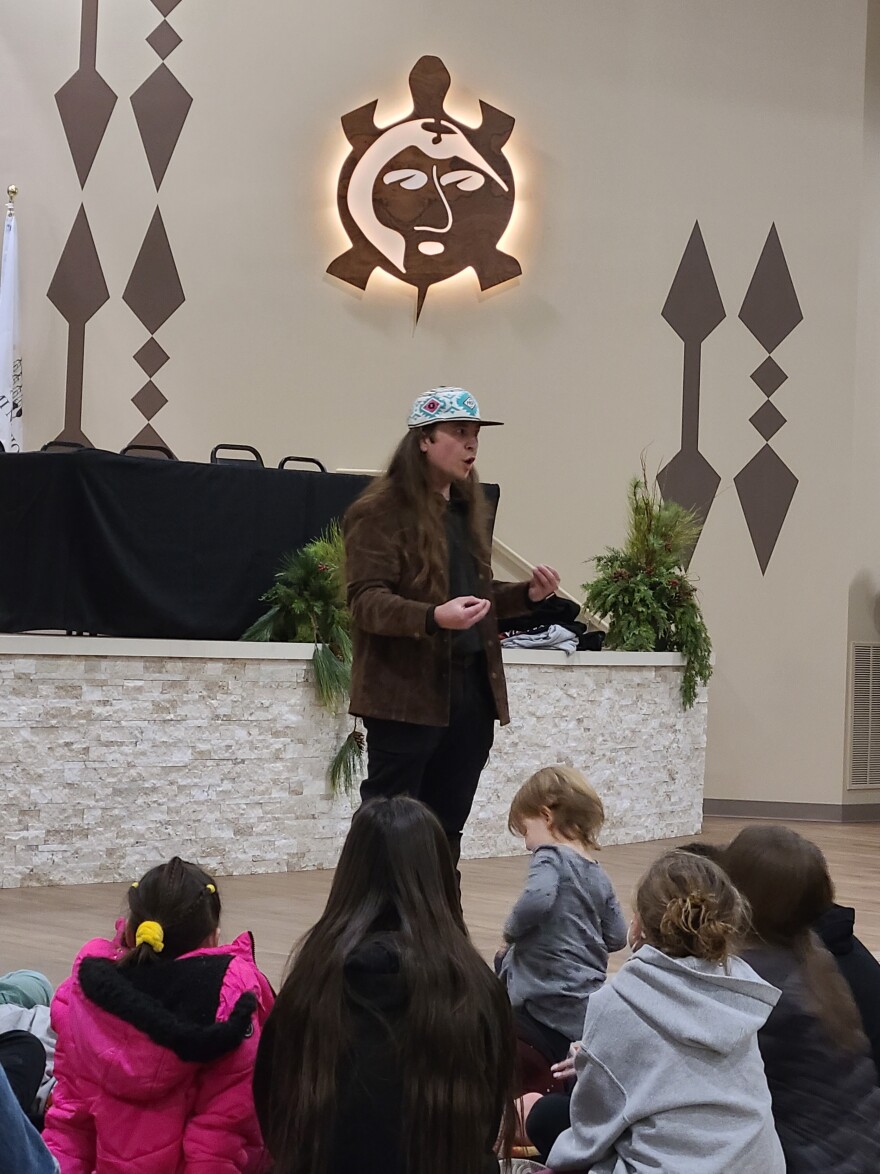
(544, 582)
(461, 613)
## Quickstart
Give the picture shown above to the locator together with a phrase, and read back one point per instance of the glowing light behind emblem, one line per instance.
(426, 197)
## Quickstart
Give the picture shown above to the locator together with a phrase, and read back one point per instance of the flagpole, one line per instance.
(10, 346)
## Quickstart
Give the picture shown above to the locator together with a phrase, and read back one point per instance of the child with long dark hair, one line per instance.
(390, 1047)
(824, 1085)
(567, 919)
(669, 1075)
(835, 928)
(157, 1036)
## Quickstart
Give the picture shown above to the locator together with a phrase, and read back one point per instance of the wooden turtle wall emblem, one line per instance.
(428, 196)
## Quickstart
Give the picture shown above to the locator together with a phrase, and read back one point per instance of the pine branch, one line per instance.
(347, 764)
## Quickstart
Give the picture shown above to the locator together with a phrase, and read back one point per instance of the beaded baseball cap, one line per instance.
(441, 404)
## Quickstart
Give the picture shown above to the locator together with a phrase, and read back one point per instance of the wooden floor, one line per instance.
(42, 928)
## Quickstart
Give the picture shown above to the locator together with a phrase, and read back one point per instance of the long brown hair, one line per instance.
(688, 907)
(405, 487)
(456, 1044)
(786, 881)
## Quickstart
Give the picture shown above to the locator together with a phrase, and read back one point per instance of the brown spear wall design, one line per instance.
(693, 309)
(78, 290)
(154, 291)
(766, 485)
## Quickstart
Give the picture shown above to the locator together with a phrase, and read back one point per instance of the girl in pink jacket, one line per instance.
(157, 1035)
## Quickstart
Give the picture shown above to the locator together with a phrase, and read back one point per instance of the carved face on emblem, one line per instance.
(427, 197)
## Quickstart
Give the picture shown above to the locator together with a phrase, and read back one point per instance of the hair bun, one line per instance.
(693, 924)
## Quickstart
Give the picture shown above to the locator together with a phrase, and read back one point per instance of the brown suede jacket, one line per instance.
(400, 671)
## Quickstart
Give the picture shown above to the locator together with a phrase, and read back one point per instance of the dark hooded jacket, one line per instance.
(826, 1102)
(858, 966)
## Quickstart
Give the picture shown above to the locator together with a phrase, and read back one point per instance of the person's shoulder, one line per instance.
(607, 1015)
(98, 948)
(548, 856)
(583, 866)
(596, 876)
(241, 976)
(774, 964)
(379, 508)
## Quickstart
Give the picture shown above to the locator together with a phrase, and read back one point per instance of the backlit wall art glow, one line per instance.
(428, 196)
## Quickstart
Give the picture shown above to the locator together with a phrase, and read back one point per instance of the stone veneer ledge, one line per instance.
(116, 754)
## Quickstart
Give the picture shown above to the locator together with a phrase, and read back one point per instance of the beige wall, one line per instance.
(634, 119)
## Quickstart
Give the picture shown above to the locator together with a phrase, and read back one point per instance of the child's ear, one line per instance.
(547, 816)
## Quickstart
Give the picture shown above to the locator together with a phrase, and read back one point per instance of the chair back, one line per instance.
(155, 451)
(282, 464)
(62, 446)
(253, 459)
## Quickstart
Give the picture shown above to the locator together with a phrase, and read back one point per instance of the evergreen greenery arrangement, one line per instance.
(644, 587)
(307, 606)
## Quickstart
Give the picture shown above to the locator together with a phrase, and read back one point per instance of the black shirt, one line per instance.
(463, 577)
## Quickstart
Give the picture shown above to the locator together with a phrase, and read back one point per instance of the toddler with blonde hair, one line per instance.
(567, 919)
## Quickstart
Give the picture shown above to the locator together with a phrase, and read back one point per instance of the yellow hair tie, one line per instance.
(152, 933)
(134, 884)
(211, 888)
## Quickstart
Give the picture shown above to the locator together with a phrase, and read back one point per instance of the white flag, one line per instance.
(10, 346)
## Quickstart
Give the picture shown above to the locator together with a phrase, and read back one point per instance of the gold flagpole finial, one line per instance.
(12, 192)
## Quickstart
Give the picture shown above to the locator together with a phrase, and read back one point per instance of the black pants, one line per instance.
(23, 1059)
(549, 1117)
(441, 765)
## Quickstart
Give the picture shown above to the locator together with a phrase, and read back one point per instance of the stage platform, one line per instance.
(116, 754)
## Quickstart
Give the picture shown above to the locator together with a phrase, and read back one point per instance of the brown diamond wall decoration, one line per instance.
(151, 357)
(78, 289)
(149, 400)
(154, 291)
(163, 40)
(766, 486)
(769, 376)
(767, 420)
(160, 107)
(770, 308)
(85, 103)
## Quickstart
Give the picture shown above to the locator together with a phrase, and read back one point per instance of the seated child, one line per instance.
(27, 1042)
(821, 1074)
(835, 927)
(669, 1073)
(157, 1037)
(390, 1049)
(567, 919)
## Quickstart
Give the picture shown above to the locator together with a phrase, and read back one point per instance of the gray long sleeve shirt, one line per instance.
(561, 931)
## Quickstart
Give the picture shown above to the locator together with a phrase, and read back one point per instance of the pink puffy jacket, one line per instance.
(154, 1063)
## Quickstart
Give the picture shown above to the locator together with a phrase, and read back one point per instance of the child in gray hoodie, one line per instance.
(669, 1075)
(567, 919)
